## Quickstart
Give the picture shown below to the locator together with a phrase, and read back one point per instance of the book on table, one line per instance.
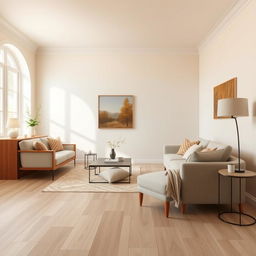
(109, 160)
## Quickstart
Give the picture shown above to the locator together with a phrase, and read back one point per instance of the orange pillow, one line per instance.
(186, 145)
(38, 145)
(55, 144)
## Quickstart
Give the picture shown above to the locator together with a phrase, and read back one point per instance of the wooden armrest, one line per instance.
(70, 144)
(36, 151)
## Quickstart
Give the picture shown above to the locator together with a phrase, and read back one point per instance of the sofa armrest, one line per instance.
(37, 158)
(200, 182)
(69, 147)
(171, 149)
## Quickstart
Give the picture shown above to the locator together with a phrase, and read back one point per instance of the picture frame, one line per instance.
(115, 111)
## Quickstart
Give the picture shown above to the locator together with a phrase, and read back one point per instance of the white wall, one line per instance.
(165, 86)
(231, 53)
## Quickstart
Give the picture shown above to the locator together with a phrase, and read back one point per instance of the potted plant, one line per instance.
(32, 122)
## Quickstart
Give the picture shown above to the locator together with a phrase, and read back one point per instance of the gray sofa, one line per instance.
(200, 179)
(44, 160)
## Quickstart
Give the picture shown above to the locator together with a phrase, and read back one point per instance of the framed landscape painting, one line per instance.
(115, 111)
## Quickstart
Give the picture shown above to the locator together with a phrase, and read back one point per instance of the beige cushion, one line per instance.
(191, 150)
(55, 144)
(27, 144)
(170, 157)
(45, 141)
(63, 155)
(114, 174)
(208, 149)
(185, 146)
(38, 145)
(220, 155)
(154, 181)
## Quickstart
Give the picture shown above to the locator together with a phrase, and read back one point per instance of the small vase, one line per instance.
(113, 154)
(32, 131)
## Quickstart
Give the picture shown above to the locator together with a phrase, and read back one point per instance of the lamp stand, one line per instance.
(238, 144)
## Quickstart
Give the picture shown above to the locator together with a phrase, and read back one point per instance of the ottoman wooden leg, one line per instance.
(141, 198)
(166, 208)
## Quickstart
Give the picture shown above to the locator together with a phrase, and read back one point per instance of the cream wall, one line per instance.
(10, 35)
(165, 86)
(231, 53)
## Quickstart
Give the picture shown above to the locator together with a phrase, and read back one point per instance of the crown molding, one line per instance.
(10, 30)
(102, 51)
(227, 17)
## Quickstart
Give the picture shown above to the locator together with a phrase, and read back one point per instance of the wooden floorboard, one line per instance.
(36, 223)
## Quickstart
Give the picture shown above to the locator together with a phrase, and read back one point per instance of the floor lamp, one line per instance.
(234, 107)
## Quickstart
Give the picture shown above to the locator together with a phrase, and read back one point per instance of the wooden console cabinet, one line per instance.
(9, 159)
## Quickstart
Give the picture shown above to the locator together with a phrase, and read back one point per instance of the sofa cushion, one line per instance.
(114, 174)
(191, 150)
(55, 144)
(204, 143)
(27, 144)
(63, 155)
(186, 145)
(169, 158)
(45, 141)
(38, 145)
(154, 181)
(220, 155)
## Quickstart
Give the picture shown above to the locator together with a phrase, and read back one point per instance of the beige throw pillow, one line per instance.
(55, 144)
(220, 155)
(208, 149)
(191, 150)
(38, 145)
(186, 145)
(114, 174)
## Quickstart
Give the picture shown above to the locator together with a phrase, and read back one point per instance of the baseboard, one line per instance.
(249, 198)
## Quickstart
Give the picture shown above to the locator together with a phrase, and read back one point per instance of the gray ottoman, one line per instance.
(154, 184)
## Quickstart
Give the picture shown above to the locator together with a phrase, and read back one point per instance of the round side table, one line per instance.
(240, 176)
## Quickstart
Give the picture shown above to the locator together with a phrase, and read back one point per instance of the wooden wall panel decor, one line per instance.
(227, 89)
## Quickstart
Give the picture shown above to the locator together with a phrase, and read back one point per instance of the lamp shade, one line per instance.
(13, 123)
(232, 107)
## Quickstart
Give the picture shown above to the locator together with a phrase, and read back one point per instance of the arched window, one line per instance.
(15, 87)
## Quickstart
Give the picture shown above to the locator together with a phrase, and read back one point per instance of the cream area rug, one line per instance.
(76, 179)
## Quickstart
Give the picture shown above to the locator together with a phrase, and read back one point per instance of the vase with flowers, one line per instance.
(114, 145)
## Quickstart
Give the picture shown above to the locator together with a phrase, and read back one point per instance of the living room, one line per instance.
(71, 60)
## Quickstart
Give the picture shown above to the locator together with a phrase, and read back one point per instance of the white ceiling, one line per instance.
(115, 23)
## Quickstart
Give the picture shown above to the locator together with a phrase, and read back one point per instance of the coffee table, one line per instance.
(100, 162)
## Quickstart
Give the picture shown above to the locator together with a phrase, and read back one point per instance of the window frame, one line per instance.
(7, 68)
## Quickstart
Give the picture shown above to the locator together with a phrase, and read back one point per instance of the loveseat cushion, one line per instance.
(27, 144)
(154, 181)
(63, 155)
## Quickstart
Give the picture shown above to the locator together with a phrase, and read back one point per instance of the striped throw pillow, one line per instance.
(186, 145)
(55, 144)
(38, 145)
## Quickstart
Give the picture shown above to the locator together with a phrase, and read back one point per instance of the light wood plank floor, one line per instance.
(74, 224)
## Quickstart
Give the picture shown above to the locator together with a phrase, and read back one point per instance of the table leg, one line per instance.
(218, 192)
(231, 196)
(240, 201)
(89, 174)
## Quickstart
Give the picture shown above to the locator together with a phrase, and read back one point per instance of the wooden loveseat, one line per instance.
(44, 160)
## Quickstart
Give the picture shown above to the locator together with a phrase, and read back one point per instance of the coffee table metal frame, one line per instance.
(240, 213)
(127, 163)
